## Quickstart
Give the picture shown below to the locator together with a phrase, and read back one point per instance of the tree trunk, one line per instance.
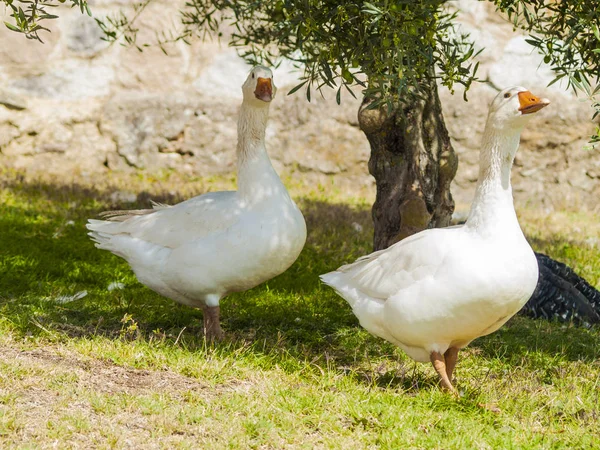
(413, 163)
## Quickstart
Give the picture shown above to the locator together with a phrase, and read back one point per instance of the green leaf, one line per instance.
(369, 8)
(596, 31)
(11, 27)
(558, 78)
(534, 42)
(22, 15)
(296, 88)
(350, 90)
(328, 73)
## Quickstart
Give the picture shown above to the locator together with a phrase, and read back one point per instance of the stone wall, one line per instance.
(75, 106)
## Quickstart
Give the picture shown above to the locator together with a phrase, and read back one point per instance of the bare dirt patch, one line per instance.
(99, 375)
(51, 395)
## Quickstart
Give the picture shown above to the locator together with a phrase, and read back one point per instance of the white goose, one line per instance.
(200, 250)
(432, 293)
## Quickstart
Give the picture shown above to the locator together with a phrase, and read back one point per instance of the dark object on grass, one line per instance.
(562, 295)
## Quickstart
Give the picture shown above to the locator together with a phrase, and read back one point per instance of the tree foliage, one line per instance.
(567, 34)
(388, 47)
(122, 27)
(27, 15)
(391, 47)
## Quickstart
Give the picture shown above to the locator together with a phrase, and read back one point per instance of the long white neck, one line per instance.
(493, 207)
(256, 177)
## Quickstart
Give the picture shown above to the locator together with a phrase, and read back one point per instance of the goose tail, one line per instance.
(368, 310)
(337, 281)
(99, 232)
(106, 236)
(562, 295)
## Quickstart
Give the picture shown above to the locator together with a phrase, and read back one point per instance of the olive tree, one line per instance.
(396, 52)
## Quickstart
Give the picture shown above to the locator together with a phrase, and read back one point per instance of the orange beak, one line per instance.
(530, 103)
(264, 89)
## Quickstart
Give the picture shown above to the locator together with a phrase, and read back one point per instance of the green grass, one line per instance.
(127, 368)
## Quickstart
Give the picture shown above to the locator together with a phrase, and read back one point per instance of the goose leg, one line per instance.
(450, 357)
(439, 364)
(212, 325)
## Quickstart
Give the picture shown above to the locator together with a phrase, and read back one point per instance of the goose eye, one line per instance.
(507, 95)
(252, 75)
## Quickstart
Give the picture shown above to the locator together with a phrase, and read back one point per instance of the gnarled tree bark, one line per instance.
(413, 163)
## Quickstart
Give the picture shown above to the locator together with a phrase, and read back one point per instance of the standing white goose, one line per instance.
(434, 292)
(200, 250)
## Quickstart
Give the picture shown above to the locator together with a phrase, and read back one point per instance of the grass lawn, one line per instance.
(89, 358)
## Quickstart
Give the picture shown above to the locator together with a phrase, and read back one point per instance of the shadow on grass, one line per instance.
(522, 337)
(46, 257)
(101, 192)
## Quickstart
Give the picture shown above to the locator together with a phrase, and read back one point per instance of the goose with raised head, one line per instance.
(434, 292)
(200, 250)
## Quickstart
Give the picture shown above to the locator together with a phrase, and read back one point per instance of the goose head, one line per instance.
(259, 89)
(513, 106)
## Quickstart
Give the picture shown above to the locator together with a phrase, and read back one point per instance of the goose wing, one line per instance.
(173, 226)
(383, 273)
